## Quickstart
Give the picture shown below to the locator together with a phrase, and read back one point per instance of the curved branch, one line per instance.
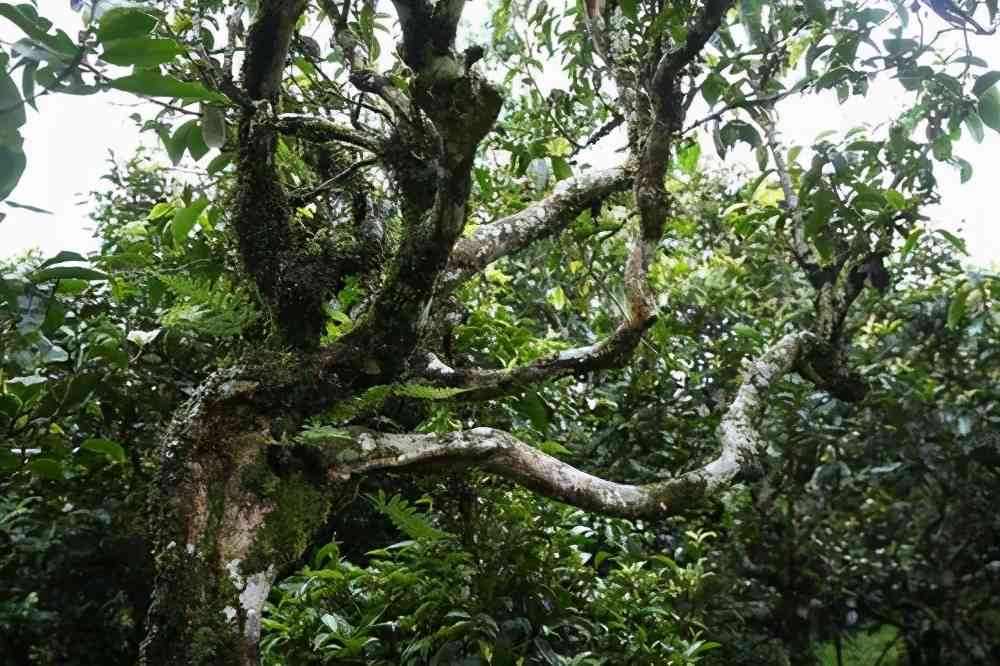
(544, 218)
(612, 352)
(502, 453)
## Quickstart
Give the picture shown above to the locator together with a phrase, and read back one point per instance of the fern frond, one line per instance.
(407, 519)
(213, 308)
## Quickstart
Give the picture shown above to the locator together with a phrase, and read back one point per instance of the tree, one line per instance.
(354, 202)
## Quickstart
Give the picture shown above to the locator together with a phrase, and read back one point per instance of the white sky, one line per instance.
(67, 144)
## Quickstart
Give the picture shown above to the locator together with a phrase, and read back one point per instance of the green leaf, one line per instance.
(954, 241)
(161, 209)
(911, 242)
(123, 23)
(975, 125)
(213, 126)
(33, 209)
(141, 51)
(560, 168)
(750, 17)
(67, 272)
(820, 214)
(957, 308)
(984, 82)
(941, 148)
(712, 88)
(895, 199)
(58, 43)
(557, 298)
(185, 218)
(9, 405)
(964, 170)
(989, 109)
(688, 156)
(10, 99)
(532, 406)
(153, 84)
(219, 162)
(12, 163)
(47, 468)
(111, 449)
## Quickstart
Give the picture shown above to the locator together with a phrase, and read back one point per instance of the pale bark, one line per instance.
(503, 454)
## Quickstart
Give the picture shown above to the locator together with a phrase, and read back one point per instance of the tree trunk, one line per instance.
(231, 509)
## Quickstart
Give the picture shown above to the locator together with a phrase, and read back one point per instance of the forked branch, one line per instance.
(503, 454)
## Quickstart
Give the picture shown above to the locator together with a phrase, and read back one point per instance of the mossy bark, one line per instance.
(227, 516)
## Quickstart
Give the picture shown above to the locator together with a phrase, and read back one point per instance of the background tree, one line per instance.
(402, 265)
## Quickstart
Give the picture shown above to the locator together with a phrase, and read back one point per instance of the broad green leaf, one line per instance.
(975, 125)
(213, 126)
(153, 84)
(895, 199)
(160, 210)
(222, 160)
(820, 214)
(941, 148)
(712, 88)
(750, 17)
(58, 43)
(141, 51)
(185, 218)
(123, 23)
(47, 468)
(984, 82)
(62, 258)
(67, 272)
(557, 298)
(560, 168)
(532, 406)
(111, 449)
(10, 404)
(688, 156)
(964, 170)
(12, 163)
(10, 99)
(989, 108)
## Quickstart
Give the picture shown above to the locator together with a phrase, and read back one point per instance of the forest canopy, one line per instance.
(413, 339)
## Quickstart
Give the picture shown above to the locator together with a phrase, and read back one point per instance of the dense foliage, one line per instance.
(185, 413)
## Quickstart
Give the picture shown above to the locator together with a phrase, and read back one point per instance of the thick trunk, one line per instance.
(227, 516)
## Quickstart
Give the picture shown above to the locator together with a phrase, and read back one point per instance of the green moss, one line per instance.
(259, 479)
(300, 510)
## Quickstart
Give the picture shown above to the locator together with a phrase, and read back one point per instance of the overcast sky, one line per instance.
(69, 140)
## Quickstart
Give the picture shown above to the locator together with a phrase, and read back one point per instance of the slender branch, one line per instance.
(502, 453)
(303, 199)
(544, 218)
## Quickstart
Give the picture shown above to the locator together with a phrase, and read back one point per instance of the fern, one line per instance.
(373, 398)
(407, 519)
(321, 434)
(212, 308)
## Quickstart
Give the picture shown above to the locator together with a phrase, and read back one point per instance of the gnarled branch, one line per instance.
(544, 218)
(502, 453)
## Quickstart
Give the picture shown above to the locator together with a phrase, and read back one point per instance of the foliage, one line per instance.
(543, 585)
(867, 523)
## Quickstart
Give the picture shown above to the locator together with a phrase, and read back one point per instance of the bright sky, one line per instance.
(69, 140)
